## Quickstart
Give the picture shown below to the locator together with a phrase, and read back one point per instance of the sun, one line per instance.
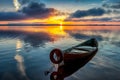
(56, 19)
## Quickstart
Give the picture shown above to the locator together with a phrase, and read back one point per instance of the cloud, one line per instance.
(92, 19)
(30, 10)
(16, 4)
(23, 2)
(112, 5)
(102, 19)
(89, 12)
(105, 1)
(38, 10)
(11, 16)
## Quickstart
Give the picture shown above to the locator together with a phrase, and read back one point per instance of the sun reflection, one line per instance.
(20, 60)
(18, 45)
(58, 30)
(61, 27)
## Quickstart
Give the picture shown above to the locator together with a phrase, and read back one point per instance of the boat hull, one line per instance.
(73, 62)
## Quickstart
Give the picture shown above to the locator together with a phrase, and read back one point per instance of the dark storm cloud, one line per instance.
(38, 10)
(31, 10)
(89, 12)
(11, 16)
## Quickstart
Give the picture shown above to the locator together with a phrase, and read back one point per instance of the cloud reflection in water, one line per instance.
(33, 55)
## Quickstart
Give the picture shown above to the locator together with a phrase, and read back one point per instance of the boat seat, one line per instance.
(83, 49)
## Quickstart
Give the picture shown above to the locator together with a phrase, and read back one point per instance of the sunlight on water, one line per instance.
(20, 59)
(18, 45)
(26, 51)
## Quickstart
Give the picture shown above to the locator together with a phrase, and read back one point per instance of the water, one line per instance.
(24, 51)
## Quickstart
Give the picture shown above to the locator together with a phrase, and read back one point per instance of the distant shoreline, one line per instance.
(58, 25)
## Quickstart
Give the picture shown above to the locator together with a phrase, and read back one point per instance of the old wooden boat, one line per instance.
(72, 59)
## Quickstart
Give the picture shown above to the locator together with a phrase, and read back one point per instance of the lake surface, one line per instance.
(24, 51)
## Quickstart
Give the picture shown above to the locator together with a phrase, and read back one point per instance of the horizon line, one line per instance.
(59, 25)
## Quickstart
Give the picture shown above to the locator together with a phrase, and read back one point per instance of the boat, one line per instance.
(72, 59)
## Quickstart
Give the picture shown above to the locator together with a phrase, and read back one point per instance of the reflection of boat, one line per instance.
(72, 59)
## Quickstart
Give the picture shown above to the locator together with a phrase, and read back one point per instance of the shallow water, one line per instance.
(24, 51)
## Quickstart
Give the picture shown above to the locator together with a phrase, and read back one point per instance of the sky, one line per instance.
(40, 11)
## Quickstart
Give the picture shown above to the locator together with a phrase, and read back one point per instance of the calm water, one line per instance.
(24, 51)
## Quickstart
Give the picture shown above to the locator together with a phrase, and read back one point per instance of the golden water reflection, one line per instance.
(58, 31)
